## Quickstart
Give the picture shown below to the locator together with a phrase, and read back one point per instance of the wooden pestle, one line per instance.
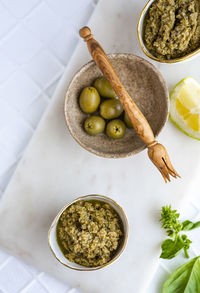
(156, 151)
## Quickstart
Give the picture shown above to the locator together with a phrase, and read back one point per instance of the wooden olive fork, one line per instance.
(156, 151)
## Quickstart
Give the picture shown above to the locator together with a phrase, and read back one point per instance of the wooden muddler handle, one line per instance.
(138, 120)
(156, 151)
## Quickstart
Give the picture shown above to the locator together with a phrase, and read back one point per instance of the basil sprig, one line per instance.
(185, 279)
(178, 242)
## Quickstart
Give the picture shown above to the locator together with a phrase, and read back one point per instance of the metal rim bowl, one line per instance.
(145, 50)
(56, 249)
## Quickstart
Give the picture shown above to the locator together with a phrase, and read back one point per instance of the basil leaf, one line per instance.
(185, 279)
(188, 225)
(171, 248)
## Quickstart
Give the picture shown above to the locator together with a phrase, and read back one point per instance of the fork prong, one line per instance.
(159, 156)
(168, 163)
(165, 171)
(170, 168)
(175, 173)
(172, 173)
(163, 175)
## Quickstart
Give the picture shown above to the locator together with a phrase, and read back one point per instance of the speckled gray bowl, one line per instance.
(146, 86)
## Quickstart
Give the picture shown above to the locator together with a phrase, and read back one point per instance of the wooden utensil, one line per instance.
(157, 152)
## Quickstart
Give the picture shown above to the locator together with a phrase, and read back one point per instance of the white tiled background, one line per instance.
(37, 39)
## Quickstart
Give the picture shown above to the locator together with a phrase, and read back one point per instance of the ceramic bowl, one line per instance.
(145, 50)
(143, 82)
(56, 249)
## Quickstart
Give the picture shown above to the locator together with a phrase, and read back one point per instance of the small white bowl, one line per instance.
(56, 249)
(145, 50)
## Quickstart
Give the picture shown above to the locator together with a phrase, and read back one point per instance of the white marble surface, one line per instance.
(104, 177)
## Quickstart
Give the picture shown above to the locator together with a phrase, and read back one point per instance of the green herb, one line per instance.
(188, 225)
(185, 279)
(173, 226)
(187, 243)
(170, 221)
(171, 248)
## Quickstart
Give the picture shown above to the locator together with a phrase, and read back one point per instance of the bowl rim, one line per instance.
(55, 221)
(116, 155)
(144, 49)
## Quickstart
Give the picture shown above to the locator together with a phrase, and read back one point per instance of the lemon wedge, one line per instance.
(185, 107)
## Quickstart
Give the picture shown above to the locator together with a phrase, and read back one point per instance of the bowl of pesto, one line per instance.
(169, 30)
(89, 233)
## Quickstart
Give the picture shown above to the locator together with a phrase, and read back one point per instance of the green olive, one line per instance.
(104, 88)
(94, 125)
(111, 109)
(127, 121)
(116, 129)
(89, 100)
